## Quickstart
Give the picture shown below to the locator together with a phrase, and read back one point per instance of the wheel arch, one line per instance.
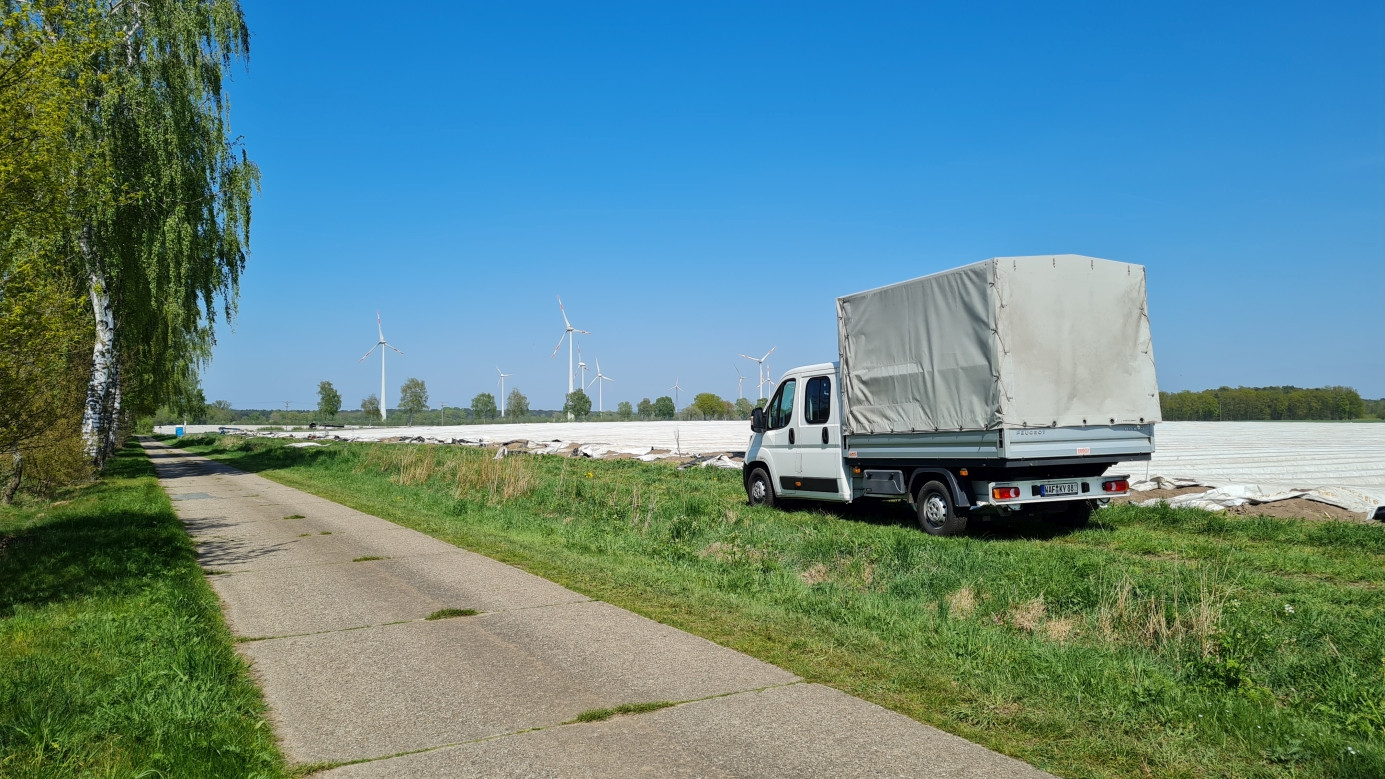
(960, 498)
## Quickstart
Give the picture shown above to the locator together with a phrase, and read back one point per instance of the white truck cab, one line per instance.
(801, 446)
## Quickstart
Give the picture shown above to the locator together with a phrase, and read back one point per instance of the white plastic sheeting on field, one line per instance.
(1341, 464)
(1337, 463)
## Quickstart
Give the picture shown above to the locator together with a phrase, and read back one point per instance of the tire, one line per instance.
(759, 490)
(1077, 515)
(936, 513)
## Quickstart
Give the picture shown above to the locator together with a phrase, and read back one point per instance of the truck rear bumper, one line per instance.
(1029, 492)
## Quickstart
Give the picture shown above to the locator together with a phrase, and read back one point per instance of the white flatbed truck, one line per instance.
(1009, 385)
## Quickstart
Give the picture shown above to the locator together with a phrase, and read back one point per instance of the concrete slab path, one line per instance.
(352, 670)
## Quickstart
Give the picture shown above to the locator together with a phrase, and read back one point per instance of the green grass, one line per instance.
(114, 660)
(1156, 642)
(597, 715)
(449, 613)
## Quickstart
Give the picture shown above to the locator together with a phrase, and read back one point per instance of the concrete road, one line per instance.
(334, 602)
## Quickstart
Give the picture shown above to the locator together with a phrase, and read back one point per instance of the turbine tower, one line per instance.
(378, 344)
(740, 381)
(762, 363)
(568, 334)
(582, 366)
(603, 379)
(503, 377)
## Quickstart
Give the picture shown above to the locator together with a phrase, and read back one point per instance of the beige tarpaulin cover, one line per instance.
(1010, 342)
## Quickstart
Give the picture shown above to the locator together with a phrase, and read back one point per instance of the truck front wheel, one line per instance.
(937, 515)
(758, 489)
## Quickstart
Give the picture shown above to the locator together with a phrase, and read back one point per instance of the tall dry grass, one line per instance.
(470, 474)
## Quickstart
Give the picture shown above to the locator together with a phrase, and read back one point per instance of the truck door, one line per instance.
(777, 442)
(819, 441)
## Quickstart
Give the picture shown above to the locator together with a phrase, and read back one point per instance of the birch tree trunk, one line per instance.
(94, 418)
(112, 407)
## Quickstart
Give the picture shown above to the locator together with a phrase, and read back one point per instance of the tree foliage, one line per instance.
(413, 397)
(328, 399)
(483, 406)
(121, 181)
(42, 378)
(645, 409)
(370, 405)
(517, 405)
(624, 410)
(1262, 403)
(743, 408)
(664, 408)
(708, 405)
(578, 404)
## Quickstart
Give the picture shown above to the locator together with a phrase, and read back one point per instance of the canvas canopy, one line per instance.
(1047, 341)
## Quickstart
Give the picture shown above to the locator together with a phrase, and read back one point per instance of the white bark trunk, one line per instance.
(94, 418)
(112, 406)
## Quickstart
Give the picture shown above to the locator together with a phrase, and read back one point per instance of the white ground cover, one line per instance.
(1338, 463)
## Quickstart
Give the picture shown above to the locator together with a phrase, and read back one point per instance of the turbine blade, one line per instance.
(560, 344)
(367, 354)
(563, 311)
(587, 332)
(768, 353)
(378, 325)
(393, 348)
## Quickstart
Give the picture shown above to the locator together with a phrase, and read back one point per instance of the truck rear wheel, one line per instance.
(936, 513)
(758, 489)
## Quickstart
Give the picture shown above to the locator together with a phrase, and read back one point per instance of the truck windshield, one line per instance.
(781, 407)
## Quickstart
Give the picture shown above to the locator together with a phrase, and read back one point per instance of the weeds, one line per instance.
(449, 613)
(597, 715)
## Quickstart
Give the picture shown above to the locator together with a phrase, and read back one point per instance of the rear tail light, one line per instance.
(1005, 493)
(1118, 485)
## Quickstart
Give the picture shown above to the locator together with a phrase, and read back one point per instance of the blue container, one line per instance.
(178, 431)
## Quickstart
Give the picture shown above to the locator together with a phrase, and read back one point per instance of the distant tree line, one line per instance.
(1252, 403)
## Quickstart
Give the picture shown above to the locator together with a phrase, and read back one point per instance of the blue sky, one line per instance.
(704, 179)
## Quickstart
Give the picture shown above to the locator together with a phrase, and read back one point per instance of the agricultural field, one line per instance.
(1155, 642)
(1348, 456)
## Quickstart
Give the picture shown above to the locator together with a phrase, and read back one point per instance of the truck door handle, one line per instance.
(824, 435)
(790, 435)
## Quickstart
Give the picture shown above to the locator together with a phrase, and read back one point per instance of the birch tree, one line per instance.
(164, 229)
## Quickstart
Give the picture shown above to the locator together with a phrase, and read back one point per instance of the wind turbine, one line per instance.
(378, 344)
(600, 394)
(761, 363)
(582, 366)
(676, 389)
(568, 334)
(740, 381)
(503, 377)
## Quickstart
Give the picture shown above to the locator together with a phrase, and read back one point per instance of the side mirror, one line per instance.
(757, 420)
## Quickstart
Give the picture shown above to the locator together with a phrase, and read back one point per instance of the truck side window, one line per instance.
(781, 407)
(817, 401)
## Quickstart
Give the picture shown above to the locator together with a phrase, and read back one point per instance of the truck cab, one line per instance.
(800, 447)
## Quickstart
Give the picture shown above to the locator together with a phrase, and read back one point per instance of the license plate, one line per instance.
(1068, 488)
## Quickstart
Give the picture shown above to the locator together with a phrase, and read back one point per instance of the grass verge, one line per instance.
(1157, 642)
(114, 660)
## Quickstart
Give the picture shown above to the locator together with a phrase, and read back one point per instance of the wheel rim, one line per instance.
(757, 490)
(934, 510)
